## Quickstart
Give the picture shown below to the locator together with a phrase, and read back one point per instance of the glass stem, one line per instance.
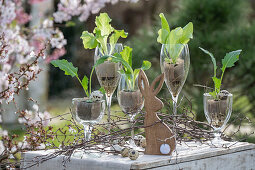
(132, 142)
(217, 135)
(175, 100)
(109, 102)
(87, 131)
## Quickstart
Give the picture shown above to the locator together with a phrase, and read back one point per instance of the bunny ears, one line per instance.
(145, 87)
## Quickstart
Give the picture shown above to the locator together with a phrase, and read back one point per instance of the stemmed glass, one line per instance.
(87, 113)
(217, 113)
(108, 75)
(174, 62)
(130, 100)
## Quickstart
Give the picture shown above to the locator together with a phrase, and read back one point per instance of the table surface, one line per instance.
(187, 152)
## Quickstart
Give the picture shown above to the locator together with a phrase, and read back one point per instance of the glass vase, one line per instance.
(107, 74)
(130, 100)
(87, 113)
(174, 63)
(217, 113)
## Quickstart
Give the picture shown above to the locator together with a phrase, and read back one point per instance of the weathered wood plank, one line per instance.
(239, 156)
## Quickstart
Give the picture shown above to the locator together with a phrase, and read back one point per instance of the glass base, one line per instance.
(217, 142)
(86, 154)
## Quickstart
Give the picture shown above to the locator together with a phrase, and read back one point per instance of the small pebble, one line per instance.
(133, 154)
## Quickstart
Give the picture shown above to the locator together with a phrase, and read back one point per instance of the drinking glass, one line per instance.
(108, 75)
(87, 113)
(130, 100)
(174, 62)
(217, 113)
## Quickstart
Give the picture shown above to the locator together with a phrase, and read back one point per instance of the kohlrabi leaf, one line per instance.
(136, 73)
(187, 33)
(164, 23)
(163, 33)
(103, 24)
(175, 35)
(174, 51)
(146, 65)
(89, 40)
(212, 58)
(101, 60)
(118, 58)
(163, 36)
(230, 59)
(126, 54)
(66, 66)
(116, 35)
(85, 82)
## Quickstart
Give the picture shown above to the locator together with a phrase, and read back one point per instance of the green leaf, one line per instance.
(164, 23)
(230, 59)
(85, 82)
(66, 66)
(212, 58)
(136, 73)
(163, 33)
(163, 36)
(213, 94)
(187, 33)
(101, 60)
(175, 35)
(146, 65)
(102, 90)
(70, 24)
(174, 51)
(121, 71)
(103, 24)
(118, 58)
(89, 40)
(116, 35)
(126, 54)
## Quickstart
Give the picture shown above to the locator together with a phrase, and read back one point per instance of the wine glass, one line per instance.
(130, 100)
(87, 113)
(108, 75)
(174, 62)
(217, 113)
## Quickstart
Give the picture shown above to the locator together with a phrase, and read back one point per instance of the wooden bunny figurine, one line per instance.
(157, 134)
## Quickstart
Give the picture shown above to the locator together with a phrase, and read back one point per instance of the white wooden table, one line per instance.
(240, 156)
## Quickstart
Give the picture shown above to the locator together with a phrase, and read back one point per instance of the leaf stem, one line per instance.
(90, 77)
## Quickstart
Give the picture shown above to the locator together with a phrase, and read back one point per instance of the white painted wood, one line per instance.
(239, 156)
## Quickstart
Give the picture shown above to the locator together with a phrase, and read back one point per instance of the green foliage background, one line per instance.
(220, 26)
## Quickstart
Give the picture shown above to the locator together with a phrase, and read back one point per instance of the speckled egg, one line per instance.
(137, 139)
(133, 154)
(142, 143)
(124, 152)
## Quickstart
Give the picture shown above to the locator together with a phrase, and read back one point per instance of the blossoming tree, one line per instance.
(23, 45)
